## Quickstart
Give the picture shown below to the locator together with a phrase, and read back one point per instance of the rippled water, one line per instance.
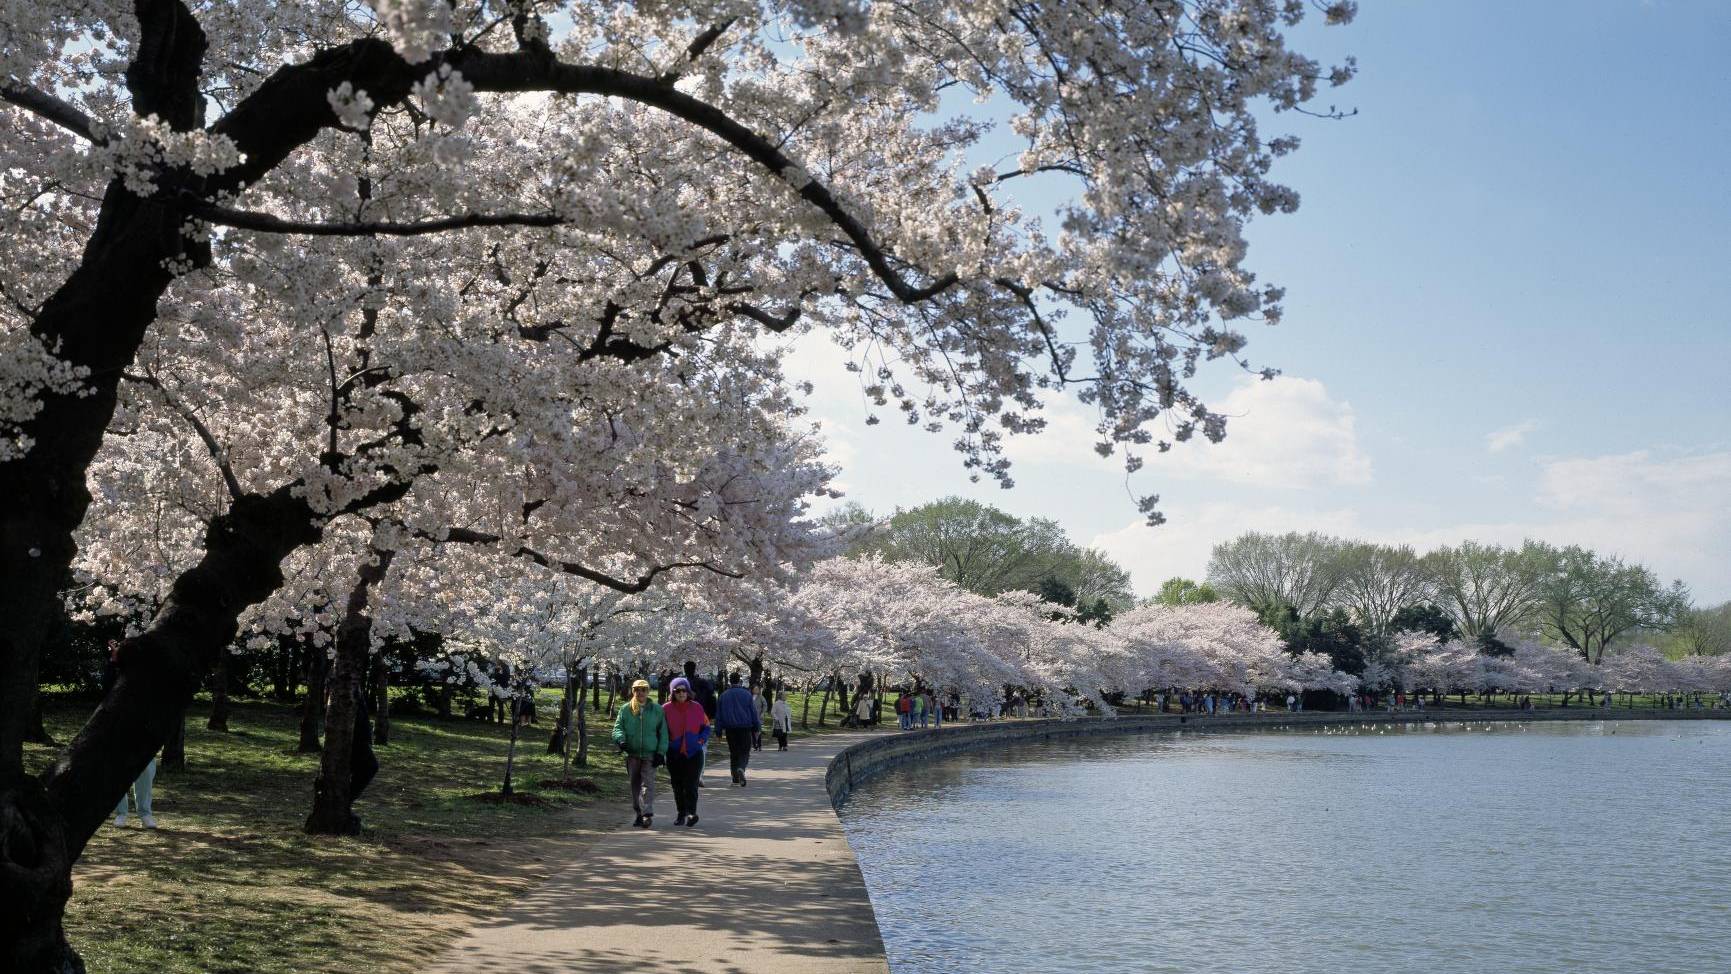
(1567, 848)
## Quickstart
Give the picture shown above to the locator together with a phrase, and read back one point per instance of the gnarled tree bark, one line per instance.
(348, 764)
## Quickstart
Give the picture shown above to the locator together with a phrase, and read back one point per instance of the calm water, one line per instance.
(1567, 848)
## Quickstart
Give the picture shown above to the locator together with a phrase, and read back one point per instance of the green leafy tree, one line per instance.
(1332, 633)
(1425, 617)
(1177, 591)
(1587, 600)
(988, 551)
(1703, 632)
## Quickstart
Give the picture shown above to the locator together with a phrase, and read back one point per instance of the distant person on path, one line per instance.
(762, 707)
(935, 709)
(640, 732)
(862, 710)
(735, 715)
(904, 711)
(918, 706)
(781, 720)
(688, 733)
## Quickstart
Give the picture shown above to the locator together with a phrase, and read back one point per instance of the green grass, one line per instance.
(230, 883)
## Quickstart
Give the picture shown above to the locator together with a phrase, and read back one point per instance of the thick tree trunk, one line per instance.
(313, 708)
(559, 742)
(348, 763)
(514, 709)
(281, 670)
(219, 693)
(174, 749)
(582, 724)
(381, 702)
(158, 673)
(96, 321)
(35, 731)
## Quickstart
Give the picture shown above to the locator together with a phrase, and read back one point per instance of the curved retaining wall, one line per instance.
(855, 765)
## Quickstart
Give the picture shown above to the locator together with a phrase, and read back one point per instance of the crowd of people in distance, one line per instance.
(676, 733)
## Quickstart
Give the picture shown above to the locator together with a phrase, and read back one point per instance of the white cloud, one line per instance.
(1182, 545)
(1283, 433)
(1509, 437)
(1672, 514)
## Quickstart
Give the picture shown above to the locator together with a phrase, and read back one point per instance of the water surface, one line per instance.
(1564, 848)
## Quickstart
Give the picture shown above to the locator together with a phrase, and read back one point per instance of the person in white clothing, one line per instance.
(781, 720)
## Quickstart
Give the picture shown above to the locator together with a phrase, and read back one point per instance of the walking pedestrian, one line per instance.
(918, 706)
(703, 692)
(904, 711)
(935, 708)
(640, 733)
(735, 714)
(688, 734)
(761, 705)
(781, 720)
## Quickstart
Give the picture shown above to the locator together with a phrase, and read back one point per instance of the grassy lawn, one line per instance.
(230, 883)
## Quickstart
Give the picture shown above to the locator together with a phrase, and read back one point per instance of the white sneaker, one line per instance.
(149, 822)
(120, 820)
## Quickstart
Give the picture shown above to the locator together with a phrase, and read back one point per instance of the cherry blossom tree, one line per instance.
(261, 189)
(1217, 646)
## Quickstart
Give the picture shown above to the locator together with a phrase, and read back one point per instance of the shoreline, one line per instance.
(858, 763)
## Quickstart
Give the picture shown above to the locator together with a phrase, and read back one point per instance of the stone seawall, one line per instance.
(857, 764)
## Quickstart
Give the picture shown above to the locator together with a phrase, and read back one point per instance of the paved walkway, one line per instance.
(765, 883)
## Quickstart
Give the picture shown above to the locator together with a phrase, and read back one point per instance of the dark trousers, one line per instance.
(781, 740)
(738, 749)
(683, 770)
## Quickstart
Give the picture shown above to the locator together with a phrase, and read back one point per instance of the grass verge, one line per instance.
(229, 883)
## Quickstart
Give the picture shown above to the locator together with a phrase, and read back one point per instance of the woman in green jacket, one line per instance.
(640, 733)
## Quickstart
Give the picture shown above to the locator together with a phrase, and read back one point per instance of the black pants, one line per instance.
(683, 771)
(738, 749)
(781, 740)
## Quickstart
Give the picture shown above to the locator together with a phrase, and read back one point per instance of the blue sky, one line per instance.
(1506, 317)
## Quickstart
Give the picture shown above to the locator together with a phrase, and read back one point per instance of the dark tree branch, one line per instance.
(290, 108)
(699, 44)
(639, 584)
(41, 103)
(266, 223)
(218, 454)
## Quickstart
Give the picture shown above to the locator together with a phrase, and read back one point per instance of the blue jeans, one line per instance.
(142, 788)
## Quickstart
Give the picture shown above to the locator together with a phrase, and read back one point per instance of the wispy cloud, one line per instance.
(1510, 437)
(1286, 433)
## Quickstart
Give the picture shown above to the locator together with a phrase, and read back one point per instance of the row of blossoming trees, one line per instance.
(331, 318)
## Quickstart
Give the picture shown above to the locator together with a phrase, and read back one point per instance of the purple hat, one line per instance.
(679, 683)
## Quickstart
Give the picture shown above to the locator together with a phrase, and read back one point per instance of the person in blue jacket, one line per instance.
(736, 716)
